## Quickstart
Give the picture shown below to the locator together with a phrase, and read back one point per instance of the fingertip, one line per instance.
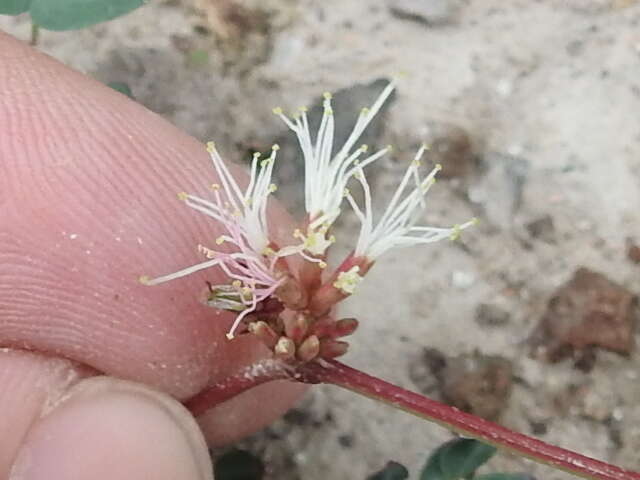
(249, 412)
(107, 428)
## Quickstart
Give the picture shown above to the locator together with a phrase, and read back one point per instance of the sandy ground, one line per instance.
(548, 91)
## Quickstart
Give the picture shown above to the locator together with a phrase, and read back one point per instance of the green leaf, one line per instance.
(504, 476)
(14, 7)
(75, 14)
(122, 87)
(456, 459)
(238, 465)
(391, 471)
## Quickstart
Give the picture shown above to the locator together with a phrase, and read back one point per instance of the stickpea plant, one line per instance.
(284, 294)
(62, 15)
(457, 459)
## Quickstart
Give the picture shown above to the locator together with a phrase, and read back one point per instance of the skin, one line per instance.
(93, 364)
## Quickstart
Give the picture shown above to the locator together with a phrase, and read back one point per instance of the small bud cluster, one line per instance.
(290, 308)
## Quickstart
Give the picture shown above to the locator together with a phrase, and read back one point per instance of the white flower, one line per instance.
(251, 263)
(326, 174)
(396, 227)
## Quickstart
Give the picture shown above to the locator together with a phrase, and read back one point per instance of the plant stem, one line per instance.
(251, 376)
(336, 373)
(35, 34)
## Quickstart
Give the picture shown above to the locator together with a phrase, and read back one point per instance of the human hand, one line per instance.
(94, 361)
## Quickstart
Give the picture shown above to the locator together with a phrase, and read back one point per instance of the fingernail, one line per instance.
(112, 429)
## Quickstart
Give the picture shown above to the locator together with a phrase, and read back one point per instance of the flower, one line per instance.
(397, 225)
(292, 310)
(251, 265)
(326, 174)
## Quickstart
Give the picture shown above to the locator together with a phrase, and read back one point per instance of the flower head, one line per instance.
(326, 173)
(290, 311)
(397, 225)
(251, 262)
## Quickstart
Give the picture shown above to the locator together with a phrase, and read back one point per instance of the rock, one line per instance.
(461, 279)
(491, 315)
(590, 311)
(430, 12)
(450, 146)
(542, 229)
(425, 371)
(478, 384)
(499, 191)
(633, 251)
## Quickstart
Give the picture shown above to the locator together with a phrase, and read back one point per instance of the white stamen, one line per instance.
(396, 227)
(326, 175)
(243, 214)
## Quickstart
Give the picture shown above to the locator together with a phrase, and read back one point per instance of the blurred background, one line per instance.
(533, 109)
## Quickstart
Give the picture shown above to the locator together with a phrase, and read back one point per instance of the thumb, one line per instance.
(105, 428)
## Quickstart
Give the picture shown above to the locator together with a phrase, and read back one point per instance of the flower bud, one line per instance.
(291, 294)
(309, 349)
(345, 326)
(285, 349)
(332, 348)
(264, 332)
(296, 326)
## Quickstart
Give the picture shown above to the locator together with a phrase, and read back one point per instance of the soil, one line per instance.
(537, 101)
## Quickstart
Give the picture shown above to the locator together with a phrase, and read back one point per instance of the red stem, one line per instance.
(336, 373)
(261, 372)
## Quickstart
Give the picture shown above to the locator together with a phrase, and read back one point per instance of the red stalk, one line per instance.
(261, 372)
(335, 373)
(451, 418)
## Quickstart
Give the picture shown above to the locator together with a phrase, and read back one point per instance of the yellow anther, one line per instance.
(256, 155)
(389, 148)
(346, 192)
(365, 111)
(268, 251)
(475, 221)
(183, 196)
(416, 163)
(426, 146)
(364, 147)
(303, 109)
(310, 241)
(277, 111)
(272, 188)
(327, 95)
(219, 240)
(236, 283)
(297, 233)
(246, 291)
(455, 233)
(347, 281)
(211, 147)
(322, 264)
(438, 167)
(144, 279)
(265, 162)
(332, 239)
(275, 147)
(328, 111)
(215, 186)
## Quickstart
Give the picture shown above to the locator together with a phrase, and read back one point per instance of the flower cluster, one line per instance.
(288, 308)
